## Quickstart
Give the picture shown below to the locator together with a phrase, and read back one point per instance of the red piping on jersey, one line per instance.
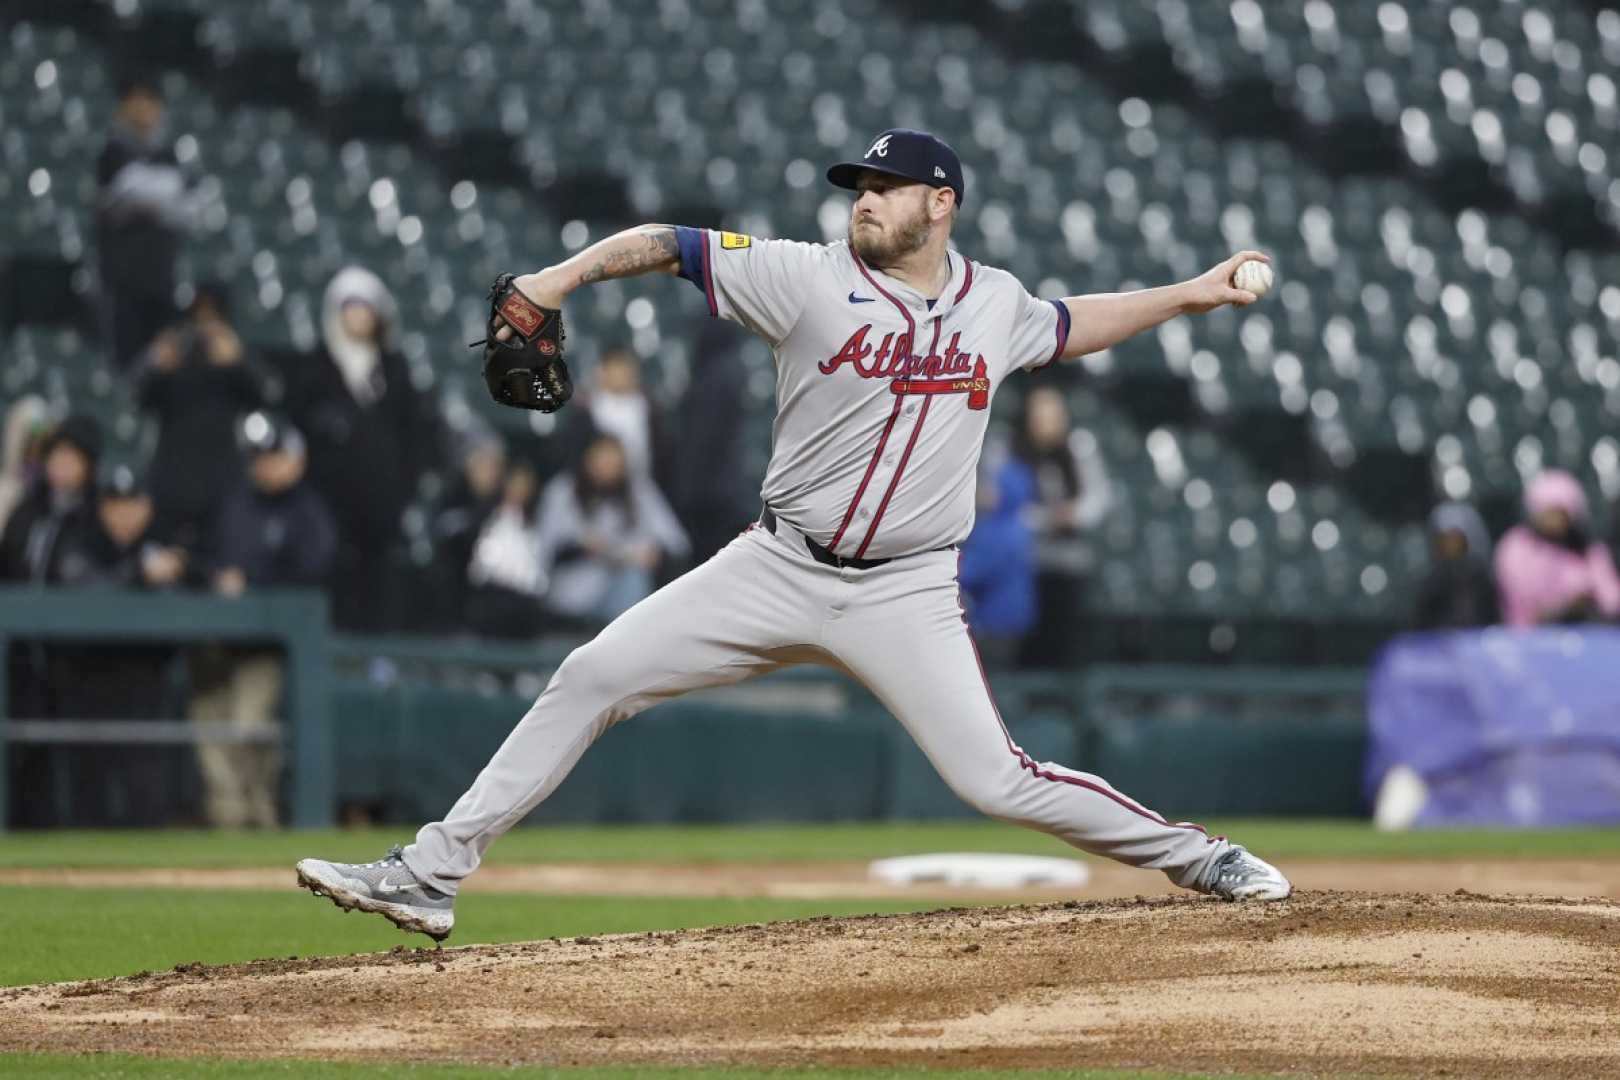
(916, 430)
(911, 326)
(900, 470)
(967, 266)
(871, 467)
(1029, 764)
(708, 276)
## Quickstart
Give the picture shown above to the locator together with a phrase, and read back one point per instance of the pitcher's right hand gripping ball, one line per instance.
(524, 367)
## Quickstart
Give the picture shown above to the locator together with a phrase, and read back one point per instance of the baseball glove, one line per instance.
(526, 370)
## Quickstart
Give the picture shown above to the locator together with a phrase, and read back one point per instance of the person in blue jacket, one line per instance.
(998, 563)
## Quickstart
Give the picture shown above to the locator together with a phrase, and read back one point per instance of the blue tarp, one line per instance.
(1507, 727)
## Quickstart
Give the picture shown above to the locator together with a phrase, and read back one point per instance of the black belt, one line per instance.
(767, 518)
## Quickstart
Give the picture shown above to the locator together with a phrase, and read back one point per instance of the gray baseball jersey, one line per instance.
(882, 396)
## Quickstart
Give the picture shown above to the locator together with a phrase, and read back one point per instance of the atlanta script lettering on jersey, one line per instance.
(892, 359)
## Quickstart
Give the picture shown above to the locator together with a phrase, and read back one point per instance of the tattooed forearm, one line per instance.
(644, 249)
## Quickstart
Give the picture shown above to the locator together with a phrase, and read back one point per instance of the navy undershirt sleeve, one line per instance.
(691, 243)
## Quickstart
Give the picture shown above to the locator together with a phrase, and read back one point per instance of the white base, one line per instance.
(980, 871)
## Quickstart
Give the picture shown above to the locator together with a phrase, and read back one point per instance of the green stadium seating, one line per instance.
(1427, 337)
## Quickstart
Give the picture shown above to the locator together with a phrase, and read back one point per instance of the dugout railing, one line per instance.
(295, 620)
(398, 725)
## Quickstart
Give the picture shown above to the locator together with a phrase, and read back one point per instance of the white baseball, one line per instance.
(1254, 276)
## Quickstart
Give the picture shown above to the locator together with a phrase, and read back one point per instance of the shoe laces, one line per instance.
(395, 857)
(1235, 867)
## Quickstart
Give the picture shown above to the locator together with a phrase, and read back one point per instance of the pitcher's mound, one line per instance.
(1326, 982)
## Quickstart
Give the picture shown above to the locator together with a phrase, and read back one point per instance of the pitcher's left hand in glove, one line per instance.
(523, 354)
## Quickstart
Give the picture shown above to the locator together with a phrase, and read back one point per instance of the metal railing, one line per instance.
(294, 619)
(1102, 697)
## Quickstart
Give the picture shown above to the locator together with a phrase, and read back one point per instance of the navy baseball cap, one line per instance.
(122, 482)
(914, 155)
(264, 433)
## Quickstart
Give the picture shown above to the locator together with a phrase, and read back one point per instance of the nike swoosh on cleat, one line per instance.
(861, 299)
(388, 888)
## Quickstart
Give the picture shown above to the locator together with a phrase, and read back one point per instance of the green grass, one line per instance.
(1275, 839)
(118, 1067)
(54, 934)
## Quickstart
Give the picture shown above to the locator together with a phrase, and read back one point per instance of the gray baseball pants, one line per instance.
(763, 603)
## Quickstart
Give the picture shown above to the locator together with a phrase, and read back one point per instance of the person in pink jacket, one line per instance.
(1547, 567)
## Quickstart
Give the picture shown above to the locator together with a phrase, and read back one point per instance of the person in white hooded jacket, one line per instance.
(372, 433)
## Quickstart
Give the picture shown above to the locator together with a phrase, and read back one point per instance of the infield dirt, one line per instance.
(1328, 982)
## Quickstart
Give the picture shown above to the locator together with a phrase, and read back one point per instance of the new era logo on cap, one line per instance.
(914, 155)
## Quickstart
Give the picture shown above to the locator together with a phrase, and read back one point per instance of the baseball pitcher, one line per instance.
(889, 347)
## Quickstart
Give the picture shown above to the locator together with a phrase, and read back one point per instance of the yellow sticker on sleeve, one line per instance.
(731, 241)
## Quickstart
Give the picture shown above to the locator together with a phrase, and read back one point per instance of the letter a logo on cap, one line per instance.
(881, 147)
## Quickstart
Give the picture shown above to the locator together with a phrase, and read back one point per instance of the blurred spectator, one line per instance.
(127, 784)
(1071, 497)
(998, 564)
(705, 480)
(473, 491)
(372, 434)
(504, 575)
(141, 210)
(50, 538)
(24, 431)
(1548, 568)
(603, 533)
(274, 530)
(128, 550)
(1460, 589)
(618, 407)
(197, 382)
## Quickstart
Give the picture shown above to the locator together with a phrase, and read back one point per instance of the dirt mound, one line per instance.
(1327, 982)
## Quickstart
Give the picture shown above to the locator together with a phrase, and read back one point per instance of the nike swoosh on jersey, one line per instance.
(861, 299)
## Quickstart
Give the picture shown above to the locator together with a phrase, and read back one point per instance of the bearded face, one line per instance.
(889, 222)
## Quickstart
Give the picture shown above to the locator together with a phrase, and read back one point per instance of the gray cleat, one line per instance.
(385, 887)
(1238, 875)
